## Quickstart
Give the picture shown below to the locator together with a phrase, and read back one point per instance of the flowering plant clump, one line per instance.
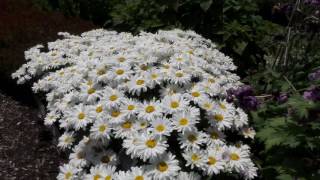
(141, 107)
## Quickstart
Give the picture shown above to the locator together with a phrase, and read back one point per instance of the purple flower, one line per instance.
(314, 76)
(249, 102)
(312, 94)
(282, 98)
(312, 2)
(245, 97)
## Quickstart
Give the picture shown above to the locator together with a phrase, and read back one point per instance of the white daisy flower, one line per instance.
(150, 110)
(185, 120)
(174, 103)
(196, 94)
(120, 73)
(150, 146)
(78, 156)
(236, 158)
(137, 173)
(220, 119)
(214, 162)
(66, 140)
(129, 107)
(68, 172)
(137, 84)
(80, 116)
(155, 77)
(102, 172)
(104, 157)
(248, 132)
(112, 97)
(115, 116)
(161, 126)
(192, 139)
(170, 90)
(216, 137)
(241, 118)
(188, 176)
(125, 129)
(179, 77)
(89, 91)
(194, 158)
(164, 167)
(100, 130)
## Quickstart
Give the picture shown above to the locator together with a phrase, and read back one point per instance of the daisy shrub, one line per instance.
(151, 106)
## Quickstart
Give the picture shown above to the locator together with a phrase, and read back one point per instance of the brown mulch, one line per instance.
(26, 149)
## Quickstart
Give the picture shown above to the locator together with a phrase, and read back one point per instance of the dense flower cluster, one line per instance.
(141, 107)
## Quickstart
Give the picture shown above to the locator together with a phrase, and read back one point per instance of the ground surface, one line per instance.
(26, 149)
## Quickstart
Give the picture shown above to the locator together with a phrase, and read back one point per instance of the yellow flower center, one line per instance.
(211, 160)
(68, 139)
(179, 74)
(154, 76)
(108, 178)
(139, 178)
(91, 90)
(61, 73)
(67, 175)
(102, 128)
(89, 83)
(121, 59)
(126, 125)
(194, 157)
(214, 135)
(162, 166)
(101, 72)
(179, 59)
(144, 67)
(113, 97)
(207, 105)
(81, 116)
(160, 128)
(80, 155)
(195, 94)
(151, 143)
(131, 107)
(150, 109)
(183, 121)
(234, 157)
(218, 117)
(99, 109)
(211, 80)
(166, 66)
(143, 124)
(119, 71)
(190, 51)
(115, 113)
(174, 104)
(140, 82)
(97, 177)
(105, 159)
(192, 138)
(222, 106)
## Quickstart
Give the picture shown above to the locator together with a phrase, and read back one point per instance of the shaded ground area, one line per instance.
(26, 148)
(23, 26)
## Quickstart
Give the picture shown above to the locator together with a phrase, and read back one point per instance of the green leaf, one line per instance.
(205, 5)
(284, 177)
